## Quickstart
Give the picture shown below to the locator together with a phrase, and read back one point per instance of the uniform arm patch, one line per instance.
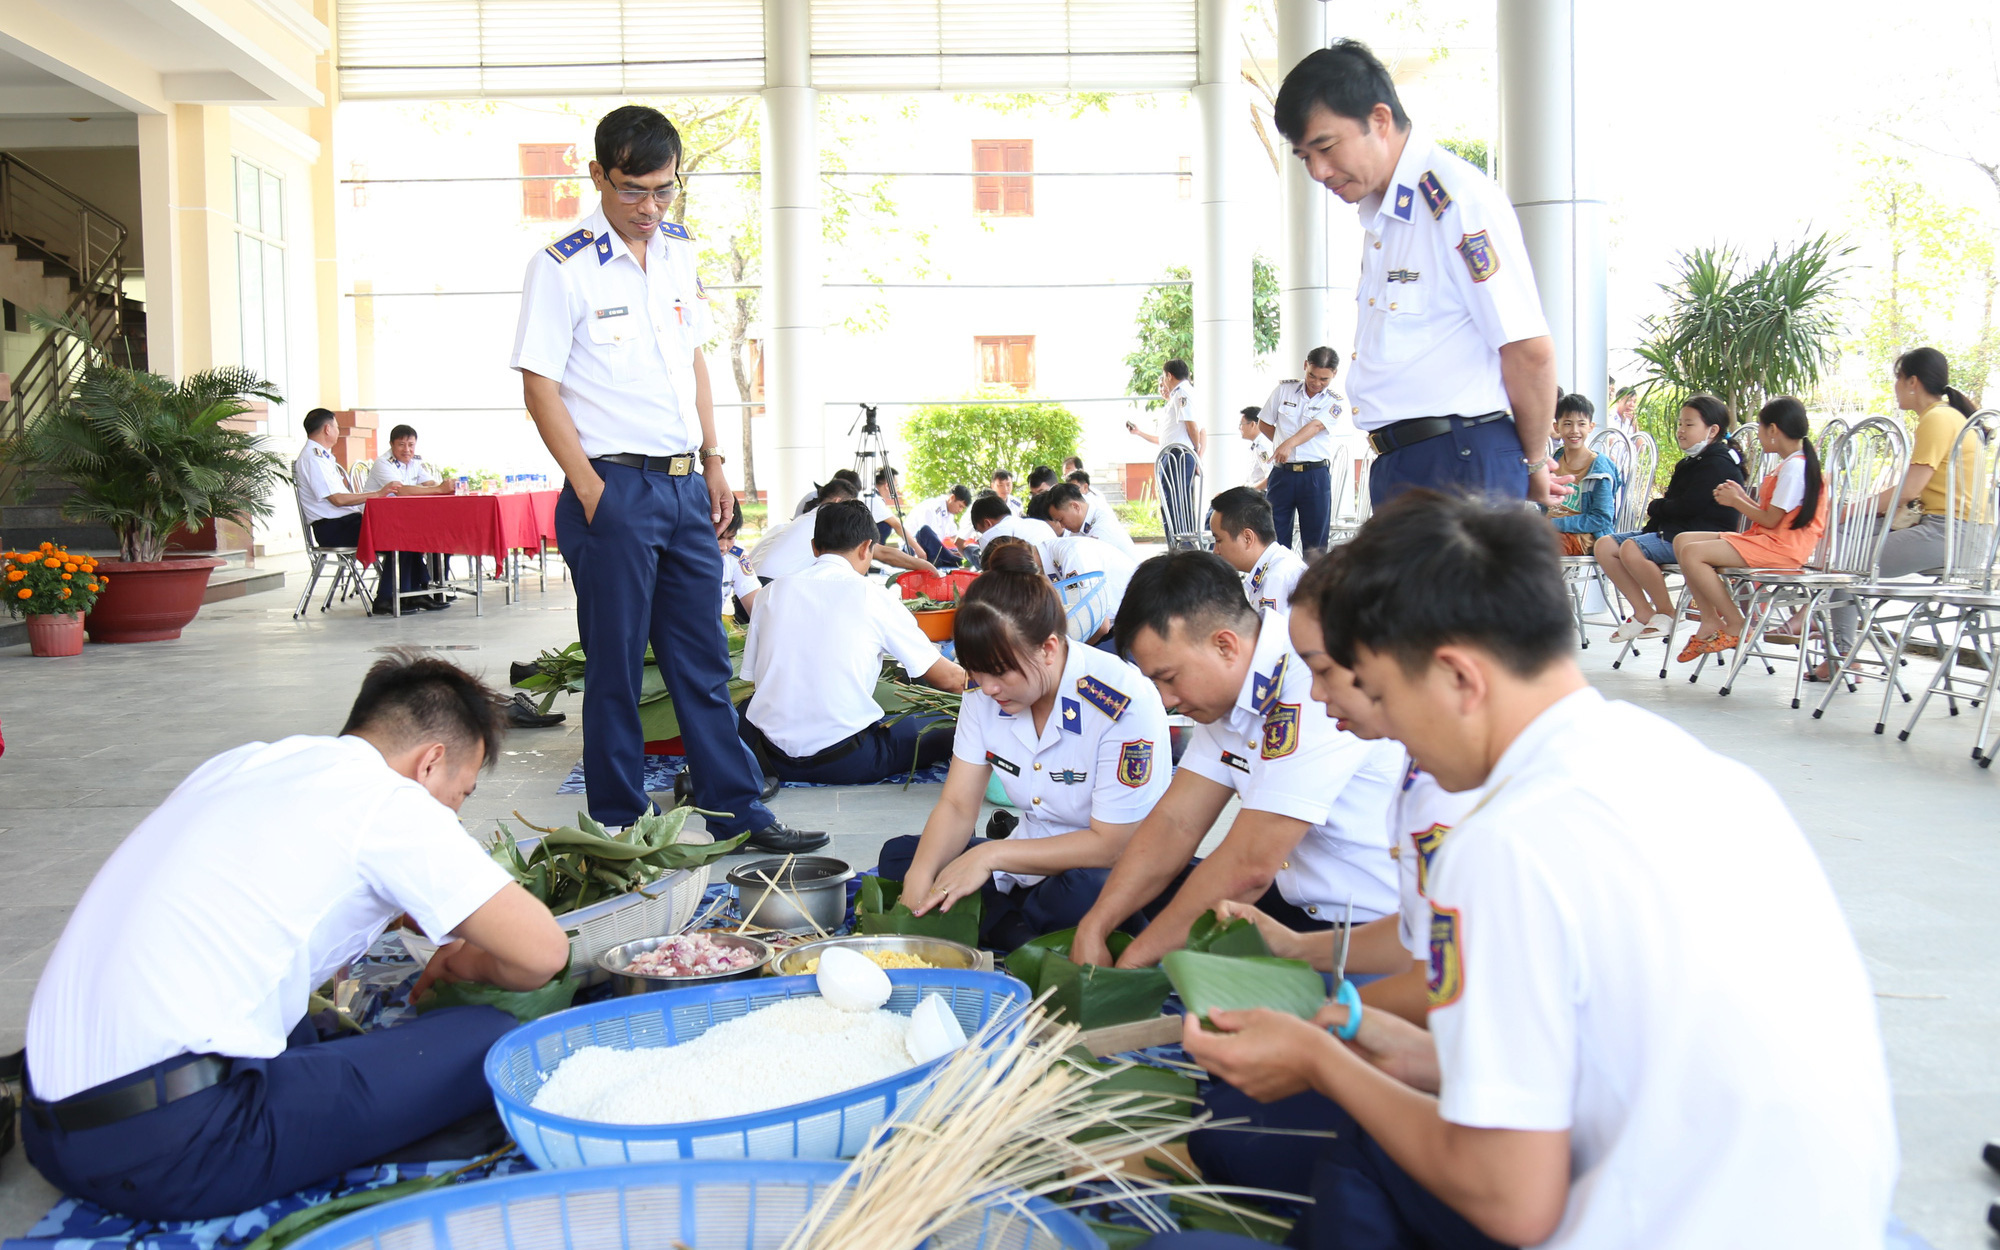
(1482, 259)
(1447, 972)
(1281, 731)
(1135, 763)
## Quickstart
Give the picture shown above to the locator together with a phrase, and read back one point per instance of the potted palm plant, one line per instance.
(148, 457)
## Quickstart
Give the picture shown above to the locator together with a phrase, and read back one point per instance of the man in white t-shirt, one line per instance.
(172, 1073)
(1240, 522)
(1003, 486)
(1604, 1067)
(787, 549)
(1073, 512)
(991, 520)
(1313, 829)
(815, 651)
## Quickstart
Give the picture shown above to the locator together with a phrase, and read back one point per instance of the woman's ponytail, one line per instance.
(1932, 372)
(1809, 505)
(1956, 398)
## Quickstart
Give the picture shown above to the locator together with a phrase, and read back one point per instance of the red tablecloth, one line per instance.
(460, 525)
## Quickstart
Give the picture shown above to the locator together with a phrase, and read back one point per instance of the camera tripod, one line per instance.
(871, 453)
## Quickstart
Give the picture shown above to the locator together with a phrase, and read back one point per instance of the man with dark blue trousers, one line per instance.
(172, 1072)
(613, 317)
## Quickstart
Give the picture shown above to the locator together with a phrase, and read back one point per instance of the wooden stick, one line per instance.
(769, 885)
(797, 903)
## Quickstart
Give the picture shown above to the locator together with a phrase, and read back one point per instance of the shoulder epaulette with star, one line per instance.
(1435, 195)
(569, 245)
(676, 230)
(1265, 689)
(1108, 701)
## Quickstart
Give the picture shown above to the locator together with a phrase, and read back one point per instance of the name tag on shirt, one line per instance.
(620, 311)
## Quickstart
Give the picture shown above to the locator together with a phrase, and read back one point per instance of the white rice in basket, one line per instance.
(790, 1052)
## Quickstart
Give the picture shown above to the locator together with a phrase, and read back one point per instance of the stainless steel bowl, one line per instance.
(937, 952)
(618, 959)
(818, 882)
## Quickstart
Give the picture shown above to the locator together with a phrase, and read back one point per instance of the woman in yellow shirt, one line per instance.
(1923, 387)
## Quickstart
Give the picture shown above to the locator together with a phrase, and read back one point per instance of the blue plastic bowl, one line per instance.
(827, 1128)
(712, 1204)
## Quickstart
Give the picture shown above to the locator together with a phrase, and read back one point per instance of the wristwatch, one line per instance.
(714, 453)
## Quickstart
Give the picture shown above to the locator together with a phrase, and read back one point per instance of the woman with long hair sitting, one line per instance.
(1785, 525)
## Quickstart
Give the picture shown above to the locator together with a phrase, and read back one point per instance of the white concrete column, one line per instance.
(1302, 273)
(791, 306)
(1222, 337)
(1548, 166)
(159, 228)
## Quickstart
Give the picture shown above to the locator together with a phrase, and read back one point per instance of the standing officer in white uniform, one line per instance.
(1178, 428)
(1079, 741)
(1453, 376)
(1300, 416)
(1603, 1067)
(1239, 522)
(609, 350)
(1313, 831)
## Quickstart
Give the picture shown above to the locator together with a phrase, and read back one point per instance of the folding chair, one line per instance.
(357, 475)
(349, 575)
(1178, 472)
(1862, 463)
(1750, 451)
(1580, 573)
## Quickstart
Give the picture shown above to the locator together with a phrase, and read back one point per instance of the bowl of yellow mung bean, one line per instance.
(886, 951)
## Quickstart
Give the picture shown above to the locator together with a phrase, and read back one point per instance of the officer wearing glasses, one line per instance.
(613, 319)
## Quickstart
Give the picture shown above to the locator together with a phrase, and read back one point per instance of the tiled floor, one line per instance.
(1909, 832)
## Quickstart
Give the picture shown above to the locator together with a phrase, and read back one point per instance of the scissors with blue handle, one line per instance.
(1344, 992)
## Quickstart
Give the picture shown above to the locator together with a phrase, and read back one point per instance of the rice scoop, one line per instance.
(851, 981)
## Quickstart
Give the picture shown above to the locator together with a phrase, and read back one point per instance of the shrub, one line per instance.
(953, 443)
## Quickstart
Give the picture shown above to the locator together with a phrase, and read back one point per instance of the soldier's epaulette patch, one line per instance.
(1106, 700)
(1264, 690)
(677, 230)
(604, 249)
(569, 245)
(1434, 193)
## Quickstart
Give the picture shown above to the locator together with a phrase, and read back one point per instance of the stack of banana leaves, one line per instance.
(561, 672)
(879, 908)
(576, 865)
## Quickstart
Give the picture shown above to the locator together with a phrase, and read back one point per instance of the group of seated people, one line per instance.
(333, 510)
(1563, 1042)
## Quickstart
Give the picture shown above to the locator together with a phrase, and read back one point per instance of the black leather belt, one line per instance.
(672, 466)
(1420, 429)
(764, 746)
(141, 1094)
(1300, 466)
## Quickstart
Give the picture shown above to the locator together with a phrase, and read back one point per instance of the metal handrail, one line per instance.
(70, 232)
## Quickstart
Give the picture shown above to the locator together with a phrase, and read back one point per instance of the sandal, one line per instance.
(1696, 648)
(1723, 642)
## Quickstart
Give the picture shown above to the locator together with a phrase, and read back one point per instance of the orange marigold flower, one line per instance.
(69, 568)
(92, 588)
(15, 575)
(48, 546)
(65, 593)
(25, 593)
(69, 576)
(52, 564)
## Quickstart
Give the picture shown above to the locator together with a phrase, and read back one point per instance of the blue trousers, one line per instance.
(1362, 1199)
(933, 549)
(1477, 459)
(646, 570)
(880, 752)
(276, 1125)
(1307, 492)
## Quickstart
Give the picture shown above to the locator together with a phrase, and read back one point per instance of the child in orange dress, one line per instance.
(1785, 525)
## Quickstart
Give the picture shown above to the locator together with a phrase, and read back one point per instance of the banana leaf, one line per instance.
(1089, 997)
(879, 908)
(1209, 982)
(523, 1005)
(1210, 935)
(1161, 1083)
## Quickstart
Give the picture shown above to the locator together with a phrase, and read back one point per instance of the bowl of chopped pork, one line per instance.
(681, 959)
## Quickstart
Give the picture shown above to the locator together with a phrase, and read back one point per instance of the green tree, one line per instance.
(953, 443)
(1166, 325)
(1473, 151)
(1743, 331)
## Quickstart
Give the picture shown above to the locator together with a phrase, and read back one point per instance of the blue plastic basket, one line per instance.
(709, 1204)
(825, 1128)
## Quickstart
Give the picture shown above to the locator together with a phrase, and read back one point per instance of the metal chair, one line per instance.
(1750, 453)
(357, 475)
(1580, 573)
(1182, 499)
(350, 576)
(1865, 461)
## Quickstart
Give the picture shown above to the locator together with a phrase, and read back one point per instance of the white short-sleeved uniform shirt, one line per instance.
(936, 514)
(1262, 449)
(1075, 554)
(1013, 505)
(315, 475)
(263, 873)
(618, 338)
(1790, 491)
(1290, 409)
(815, 651)
(1708, 1038)
(1174, 417)
(1100, 521)
(1445, 284)
(1420, 816)
(1037, 532)
(1282, 753)
(387, 469)
(1270, 581)
(786, 550)
(739, 579)
(1103, 754)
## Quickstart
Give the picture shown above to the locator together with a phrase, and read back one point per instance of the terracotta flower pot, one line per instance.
(55, 633)
(148, 602)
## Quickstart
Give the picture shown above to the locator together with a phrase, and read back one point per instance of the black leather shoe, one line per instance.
(684, 787)
(781, 839)
(523, 713)
(436, 603)
(520, 670)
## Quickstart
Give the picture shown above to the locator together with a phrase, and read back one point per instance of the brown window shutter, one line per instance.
(1019, 193)
(987, 197)
(1021, 361)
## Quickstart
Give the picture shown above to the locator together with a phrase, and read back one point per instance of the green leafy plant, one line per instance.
(879, 908)
(149, 457)
(1746, 332)
(299, 1223)
(1165, 324)
(573, 866)
(49, 581)
(954, 443)
(523, 1005)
